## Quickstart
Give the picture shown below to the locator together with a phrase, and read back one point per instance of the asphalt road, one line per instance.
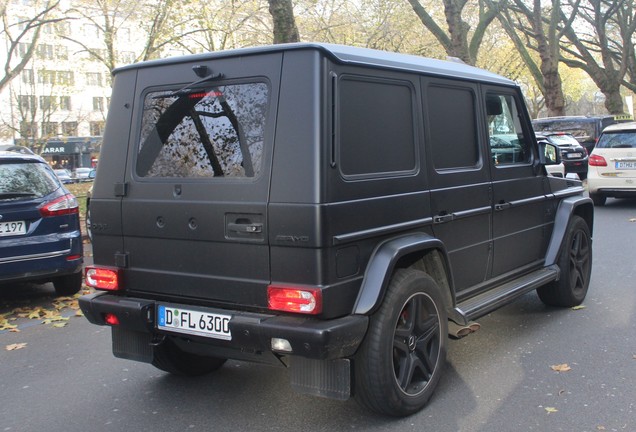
(498, 379)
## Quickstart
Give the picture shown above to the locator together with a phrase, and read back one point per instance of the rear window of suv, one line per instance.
(26, 180)
(626, 139)
(216, 131)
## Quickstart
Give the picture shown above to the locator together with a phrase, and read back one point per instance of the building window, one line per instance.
(47, 103)
(23, 48)
(65, 77)
(98, 104)
(69, 128)
(65, 103)
(91, 30)
(44, 51)
(63, 28)
(61, 52)
(27, 103)
(27, 76)
(97, 128)
(127, 57)
(49, 129)
(27, 129)
(94, 79)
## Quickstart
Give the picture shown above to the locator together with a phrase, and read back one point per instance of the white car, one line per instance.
(83, 174)
(612, 164)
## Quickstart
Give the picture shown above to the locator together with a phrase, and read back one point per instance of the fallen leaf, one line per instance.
(15, 346)
(551, 410)
(579, 307)
(601, 428)
(632, 219)
(60, 324)
(561, 368)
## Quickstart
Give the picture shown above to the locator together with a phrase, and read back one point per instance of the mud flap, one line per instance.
(325, 378)
(132, 345)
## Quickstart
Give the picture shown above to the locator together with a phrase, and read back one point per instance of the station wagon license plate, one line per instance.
(626, 165)
(12, 228)
(194, 322)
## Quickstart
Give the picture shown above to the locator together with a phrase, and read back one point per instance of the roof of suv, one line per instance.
(348, 55)
(631, 126)
(15, 156)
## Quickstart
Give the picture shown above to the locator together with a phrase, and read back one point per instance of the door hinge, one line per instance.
(121, 189)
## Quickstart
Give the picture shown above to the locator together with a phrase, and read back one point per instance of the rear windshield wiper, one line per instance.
(10, 195)
(188, 88)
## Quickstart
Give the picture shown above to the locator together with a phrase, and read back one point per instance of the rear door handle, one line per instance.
(442, 218)
(502, 206)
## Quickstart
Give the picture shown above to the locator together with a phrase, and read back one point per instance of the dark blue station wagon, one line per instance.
(40, 238)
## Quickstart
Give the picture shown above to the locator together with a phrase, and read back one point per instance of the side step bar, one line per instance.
(481, 304)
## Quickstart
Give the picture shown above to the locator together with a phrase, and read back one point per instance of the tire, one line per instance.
(575, 262)
(401, 359)
(598, 199)
(170, 358)
(69, 284)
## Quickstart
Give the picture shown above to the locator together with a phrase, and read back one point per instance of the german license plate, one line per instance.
(626, 165)
(573, 155)
(194, 322)
(12, 228)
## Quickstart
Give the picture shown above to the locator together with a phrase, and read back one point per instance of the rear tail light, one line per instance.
(111, 319)
(298, 300)
(103, 278)
(596, 160)
(63, 205)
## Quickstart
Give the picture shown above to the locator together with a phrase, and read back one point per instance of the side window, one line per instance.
(507, 142)
(215, 131)
(376, 127)
(452, 127)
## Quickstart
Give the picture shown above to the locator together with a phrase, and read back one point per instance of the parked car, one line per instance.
(612, 170)
(83, 174)
(64, 175)
(573, 154)
(586, 129)
(15, 148)
(40, 238)
(336, 210)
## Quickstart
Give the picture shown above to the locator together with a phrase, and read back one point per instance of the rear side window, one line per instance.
(453, 127)
(216, 131)
(26, 180)
(625, 139)
(377, 132)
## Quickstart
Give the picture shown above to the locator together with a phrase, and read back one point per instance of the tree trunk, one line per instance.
(285, 29)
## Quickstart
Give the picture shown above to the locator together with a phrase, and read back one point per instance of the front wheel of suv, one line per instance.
(170, 358)
(401, 359)
(575, 262)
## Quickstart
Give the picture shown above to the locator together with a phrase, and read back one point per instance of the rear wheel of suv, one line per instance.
(598, 199)
(400, 361)
(69, 284)
(170, 358)
(575, 262)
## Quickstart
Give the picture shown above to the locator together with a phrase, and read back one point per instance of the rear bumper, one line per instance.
(251, 332)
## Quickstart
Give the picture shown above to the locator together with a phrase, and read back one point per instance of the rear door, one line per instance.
(194, 201)
(460, 178)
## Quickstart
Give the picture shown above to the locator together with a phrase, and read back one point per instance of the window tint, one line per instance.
(27, 179)
(617, 140)
(215, 131)
(507, 142)
(452, 127)
(376, 127)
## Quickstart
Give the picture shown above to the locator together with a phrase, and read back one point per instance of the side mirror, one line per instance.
(550, 154)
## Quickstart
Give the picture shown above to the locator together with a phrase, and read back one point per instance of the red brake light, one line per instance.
(298, 300)
(111, 319)
(63, 205)
(596, 160)
(103, 278)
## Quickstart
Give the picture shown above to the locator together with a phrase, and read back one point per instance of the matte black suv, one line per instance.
(335, 210)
